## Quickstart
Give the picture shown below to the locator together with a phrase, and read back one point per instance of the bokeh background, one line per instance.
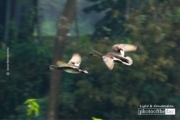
(29, 29)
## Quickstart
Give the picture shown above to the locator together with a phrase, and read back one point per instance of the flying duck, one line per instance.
(116, 55)
(73, 66)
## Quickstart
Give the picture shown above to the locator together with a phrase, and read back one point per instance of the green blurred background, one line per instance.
(28, 29)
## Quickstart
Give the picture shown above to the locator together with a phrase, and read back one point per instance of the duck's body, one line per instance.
(117, 55)
(117, 58)
(71, 67)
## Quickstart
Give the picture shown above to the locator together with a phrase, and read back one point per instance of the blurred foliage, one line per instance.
(116, 94)
(32, 106)
(29, 75)
(112, 24)
(153, 78)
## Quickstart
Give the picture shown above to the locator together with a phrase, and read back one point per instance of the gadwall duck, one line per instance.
(73, 66)
(116, 55)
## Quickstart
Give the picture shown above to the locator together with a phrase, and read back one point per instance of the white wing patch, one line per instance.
(122, 53)
(77, 64)
(75, 60)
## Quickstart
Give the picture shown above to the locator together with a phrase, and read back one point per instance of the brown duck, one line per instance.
(116, 55)
(73, 66)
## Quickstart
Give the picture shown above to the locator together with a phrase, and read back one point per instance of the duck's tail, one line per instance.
(127, 60)
(85, 71)
(82, 70)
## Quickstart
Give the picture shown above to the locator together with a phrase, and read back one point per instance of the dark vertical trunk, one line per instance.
(127, 9)
(7, 20)
(76, 24)
(63, 25)
(21, 18)
(3, 15)
(23, 15)
(38, 22)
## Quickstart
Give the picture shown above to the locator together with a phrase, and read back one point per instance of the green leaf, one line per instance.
(36, 111)
(29, 101)
(94, 118)
(35, 104)
(29, 111)
(33, 107)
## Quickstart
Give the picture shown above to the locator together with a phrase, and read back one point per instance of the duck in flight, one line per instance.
(116, 55)
(73, 66)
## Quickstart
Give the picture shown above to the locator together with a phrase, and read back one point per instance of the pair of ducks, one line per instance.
(116, 55)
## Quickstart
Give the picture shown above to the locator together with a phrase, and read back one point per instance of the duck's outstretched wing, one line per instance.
(125, 60)
(109, 62)
(125, 47)
(75, 60)
(62, 65)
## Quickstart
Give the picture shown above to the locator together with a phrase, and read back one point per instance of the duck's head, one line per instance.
(119, 50)
(95, 54)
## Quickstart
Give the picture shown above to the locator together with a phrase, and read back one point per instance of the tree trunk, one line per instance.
(7, 19)
(63, 25)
